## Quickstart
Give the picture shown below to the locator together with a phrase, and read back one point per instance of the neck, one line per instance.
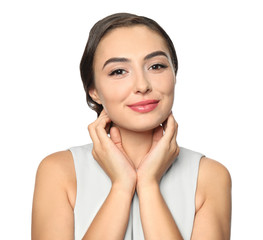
(136, 144)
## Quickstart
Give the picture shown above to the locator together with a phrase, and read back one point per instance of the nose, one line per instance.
(142, 84)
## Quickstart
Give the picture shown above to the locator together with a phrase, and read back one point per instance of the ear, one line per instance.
(94, 95)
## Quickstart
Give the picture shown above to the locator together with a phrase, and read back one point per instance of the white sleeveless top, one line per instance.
(178, 187)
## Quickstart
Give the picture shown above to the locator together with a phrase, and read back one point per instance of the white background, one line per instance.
(218, 96)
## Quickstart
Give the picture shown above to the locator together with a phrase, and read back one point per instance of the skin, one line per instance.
(138, 76)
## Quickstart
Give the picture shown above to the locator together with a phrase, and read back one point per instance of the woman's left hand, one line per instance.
(163, 152)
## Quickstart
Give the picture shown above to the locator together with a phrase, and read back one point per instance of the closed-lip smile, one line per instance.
(144, 106)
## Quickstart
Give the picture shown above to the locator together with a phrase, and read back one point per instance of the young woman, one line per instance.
(133, 181)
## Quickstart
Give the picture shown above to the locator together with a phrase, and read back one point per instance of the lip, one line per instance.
(144, 106)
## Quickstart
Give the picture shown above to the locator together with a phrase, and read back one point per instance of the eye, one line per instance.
(118, 72)
(157, 66)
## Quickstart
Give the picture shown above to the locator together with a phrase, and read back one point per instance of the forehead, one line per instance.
(135, 41)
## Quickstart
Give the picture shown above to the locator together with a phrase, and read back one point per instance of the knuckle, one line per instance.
(167, 148)
(101, 123)
(173, 149)
(90, 126)
(105, 120)
(93, 152)
(177, 150)
(173, 128)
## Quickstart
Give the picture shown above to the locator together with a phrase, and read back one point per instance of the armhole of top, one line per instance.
(197, 175)
(71, 150)
(196, 186)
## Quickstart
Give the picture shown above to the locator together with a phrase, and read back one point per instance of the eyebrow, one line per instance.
(115, 59)
(155, 54)
(147, 57)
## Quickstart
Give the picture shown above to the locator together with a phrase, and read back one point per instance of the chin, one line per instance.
(143, 125)
(143, 128)
(142, 122)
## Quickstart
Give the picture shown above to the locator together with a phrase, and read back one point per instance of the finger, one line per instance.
(102, 113)
(101, 130)
(173, 140)
(93, 134)
(170, 128)
(116, 136)
(176, 127)
(116, 139)
(92, 128)
(157, 135)
(173, 144)
(164, 124)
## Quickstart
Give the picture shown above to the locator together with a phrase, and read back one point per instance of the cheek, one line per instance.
(113, 94)
(166, 90)
(166, 85)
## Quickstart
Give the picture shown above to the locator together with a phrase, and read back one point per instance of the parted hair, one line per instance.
(98, 31)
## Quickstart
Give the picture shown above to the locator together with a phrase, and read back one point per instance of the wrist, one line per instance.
(147, 185)
(125, 190)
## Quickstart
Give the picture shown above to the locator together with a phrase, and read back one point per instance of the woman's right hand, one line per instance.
(110, 155)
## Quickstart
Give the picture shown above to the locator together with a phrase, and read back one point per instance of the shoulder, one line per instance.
(53, 201)
(58, 169)
(58, 163)
(213, 198)
(57, 160)
(207, 165)
(213, 179)
(213, 201)
(212, 174)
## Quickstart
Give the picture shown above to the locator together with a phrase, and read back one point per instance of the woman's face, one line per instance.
(134, 78)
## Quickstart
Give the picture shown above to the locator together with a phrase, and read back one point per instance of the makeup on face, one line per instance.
(134, 78)
(144, 106)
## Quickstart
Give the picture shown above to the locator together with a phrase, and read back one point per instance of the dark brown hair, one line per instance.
(96, 34)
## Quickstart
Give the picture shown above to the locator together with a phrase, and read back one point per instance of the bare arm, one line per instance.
(213, 199)
(52, 214)
(157, 220)
(112, 219)
(213, 207)
(53, 211)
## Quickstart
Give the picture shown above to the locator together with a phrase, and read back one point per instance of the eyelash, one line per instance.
(117, 72)
(158, 65)
(120, 71)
